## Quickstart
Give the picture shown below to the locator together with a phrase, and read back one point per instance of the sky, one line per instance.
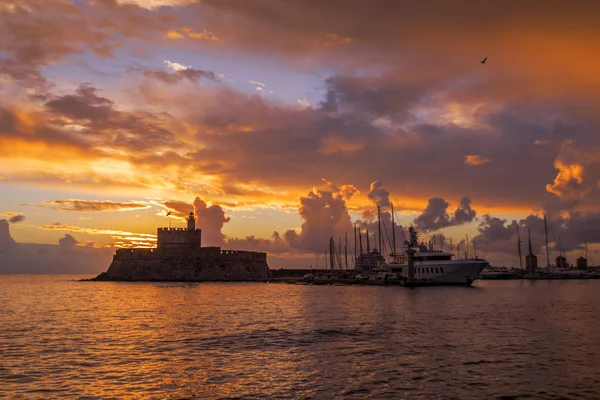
(284, 123)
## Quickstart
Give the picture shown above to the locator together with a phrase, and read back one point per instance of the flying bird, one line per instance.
(483, 61)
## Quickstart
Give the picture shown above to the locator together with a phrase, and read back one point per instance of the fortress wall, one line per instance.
(206, 264)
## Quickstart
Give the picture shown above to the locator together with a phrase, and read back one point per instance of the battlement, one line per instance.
(174, 229)
(242, 255)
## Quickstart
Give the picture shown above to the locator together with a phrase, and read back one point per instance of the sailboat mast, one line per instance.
(368, 243)
(331, 243)
(346, 249)
(547, 249)
(379, 228)
(467, 249)
(519, 248)
(355, 242)
(393, 231)
(338, 253)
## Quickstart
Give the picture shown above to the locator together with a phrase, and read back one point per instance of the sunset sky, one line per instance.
(284, 122)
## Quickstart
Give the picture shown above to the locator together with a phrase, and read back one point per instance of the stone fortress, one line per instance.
(179, 256)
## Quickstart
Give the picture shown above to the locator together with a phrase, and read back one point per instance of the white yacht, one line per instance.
(433, 266)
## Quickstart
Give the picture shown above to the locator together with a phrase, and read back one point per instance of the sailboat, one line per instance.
(372, 259)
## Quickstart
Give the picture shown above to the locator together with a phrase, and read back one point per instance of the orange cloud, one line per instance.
(568, 178)
(337, 144)
(95, 205)
(204, 35)
(474, 159)
(333, 39)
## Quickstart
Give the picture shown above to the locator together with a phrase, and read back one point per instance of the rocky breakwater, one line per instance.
(204, 264)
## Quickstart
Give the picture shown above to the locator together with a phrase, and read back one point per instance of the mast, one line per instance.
(560, 252)
(368, 243)
(360, 242)
(331, 253)
(346, 249)
(467, 249)
(474, 249)
(519, 248)
(547, 249)
(355, 242)
(338, 253)
(585, 249)
(393, 231)
(379, 228)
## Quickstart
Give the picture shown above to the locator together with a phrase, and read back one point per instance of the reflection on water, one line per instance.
(62, 338)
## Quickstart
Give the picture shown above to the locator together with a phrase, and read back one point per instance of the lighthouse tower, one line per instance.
(188, 238)
(191, 222)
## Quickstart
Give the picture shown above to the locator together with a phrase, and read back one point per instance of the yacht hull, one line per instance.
(452, 272)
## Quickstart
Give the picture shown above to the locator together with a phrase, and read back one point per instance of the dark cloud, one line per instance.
(435, 216)
(84, 104)
(6, 241)
(67, 242)
(190, 74)
(464, 213)
(378, 195)
(16, 218)
(28, 258)
(211, 220)
(94, 205)
(565, 234)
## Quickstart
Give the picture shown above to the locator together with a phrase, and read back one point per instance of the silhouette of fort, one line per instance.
(179, 256)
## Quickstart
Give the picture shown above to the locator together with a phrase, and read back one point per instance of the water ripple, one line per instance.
(66, 339)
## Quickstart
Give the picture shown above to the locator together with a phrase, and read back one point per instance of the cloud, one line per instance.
(474, 159)
(211, 220)
(175, 66)
(67, 242)
(324, 214)
(94, 205)
(186, 32)
(118, 238)
(16, 218)
(257, 83)
(378, 194)
(180, 74)
(435, 215)
(64, 258)
(6, 240)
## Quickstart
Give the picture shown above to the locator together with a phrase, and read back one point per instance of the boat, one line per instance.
(499, 273)
(432, 266)
(369, 261)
